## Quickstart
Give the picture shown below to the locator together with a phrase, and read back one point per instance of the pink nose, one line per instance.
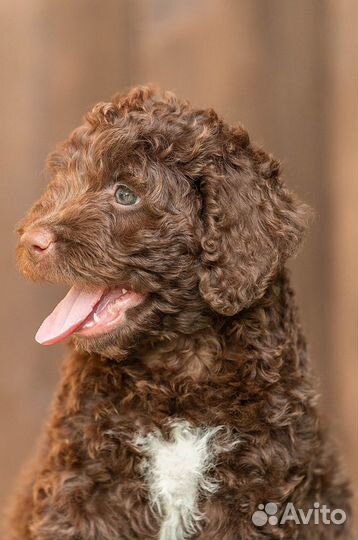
(38, 240)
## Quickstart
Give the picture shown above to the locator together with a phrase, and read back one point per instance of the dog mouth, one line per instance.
(87, 312)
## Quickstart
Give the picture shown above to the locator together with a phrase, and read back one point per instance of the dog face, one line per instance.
(161, 219)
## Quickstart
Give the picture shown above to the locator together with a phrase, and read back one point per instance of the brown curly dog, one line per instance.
(186, 404)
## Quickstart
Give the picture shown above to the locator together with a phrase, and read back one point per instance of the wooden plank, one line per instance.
(342, 46)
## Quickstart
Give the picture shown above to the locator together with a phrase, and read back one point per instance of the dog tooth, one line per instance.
(96, 318)
(112, 309)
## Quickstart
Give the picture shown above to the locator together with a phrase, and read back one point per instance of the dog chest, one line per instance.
(180, 471)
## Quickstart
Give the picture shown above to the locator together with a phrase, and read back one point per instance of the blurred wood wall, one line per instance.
(283, 68)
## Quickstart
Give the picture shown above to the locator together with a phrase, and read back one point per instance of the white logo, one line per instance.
(265, 513)
(317, 515)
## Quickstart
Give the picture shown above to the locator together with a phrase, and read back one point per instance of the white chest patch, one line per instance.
(177, 472)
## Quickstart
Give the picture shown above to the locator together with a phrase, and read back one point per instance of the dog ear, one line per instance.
(251, 225)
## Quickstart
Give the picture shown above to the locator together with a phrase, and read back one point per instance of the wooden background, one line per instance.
(287, 69)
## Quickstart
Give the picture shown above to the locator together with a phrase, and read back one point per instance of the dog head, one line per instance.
(161, 218)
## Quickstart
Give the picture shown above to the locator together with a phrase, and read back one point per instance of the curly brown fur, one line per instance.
(216, 342)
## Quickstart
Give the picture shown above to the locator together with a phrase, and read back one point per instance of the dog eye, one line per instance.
(125, 196)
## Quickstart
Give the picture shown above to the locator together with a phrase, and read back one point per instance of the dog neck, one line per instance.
(193, 357)
(251, 335)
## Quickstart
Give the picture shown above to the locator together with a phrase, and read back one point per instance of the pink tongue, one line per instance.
(68, 315)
